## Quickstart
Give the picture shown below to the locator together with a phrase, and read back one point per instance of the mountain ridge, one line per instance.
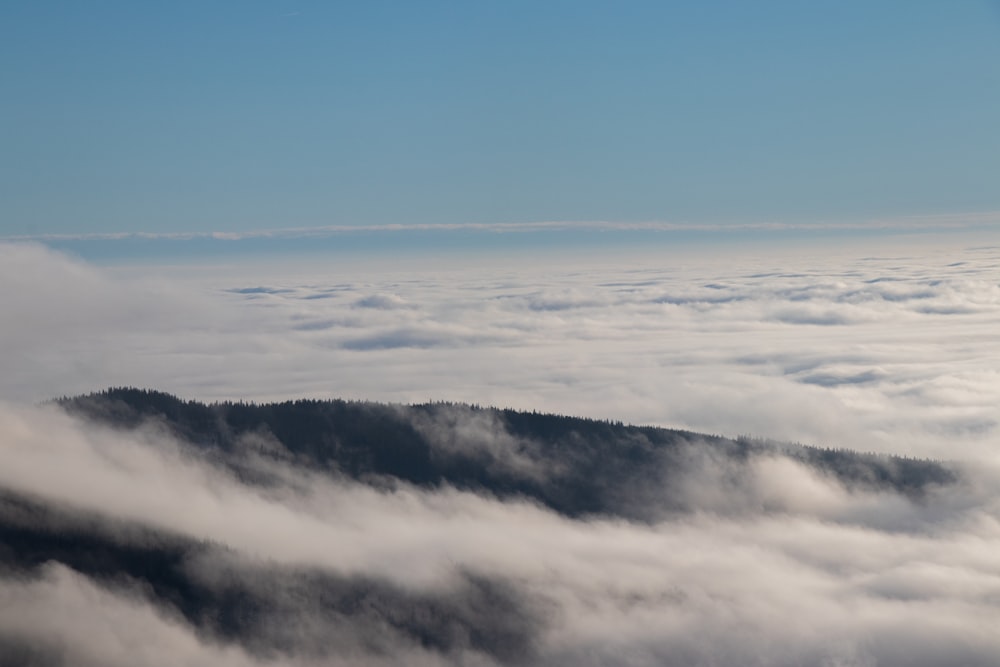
(350, 532)
(575, 466)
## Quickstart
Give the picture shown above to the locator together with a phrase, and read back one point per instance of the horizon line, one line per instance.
(929, 222)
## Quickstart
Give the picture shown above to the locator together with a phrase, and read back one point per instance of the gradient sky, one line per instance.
(234, 116)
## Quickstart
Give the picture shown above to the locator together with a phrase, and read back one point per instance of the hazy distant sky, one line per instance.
(233, 116)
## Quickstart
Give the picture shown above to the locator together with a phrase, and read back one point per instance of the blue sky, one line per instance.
(235, 116)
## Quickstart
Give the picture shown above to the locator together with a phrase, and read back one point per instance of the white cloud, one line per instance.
(783, 567)
(64, 618)
(890, 349)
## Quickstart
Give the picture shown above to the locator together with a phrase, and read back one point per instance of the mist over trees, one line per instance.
(574, 466)
(346, 532)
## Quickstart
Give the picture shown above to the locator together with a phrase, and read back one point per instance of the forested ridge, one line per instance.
(438, 462)
(575, 466)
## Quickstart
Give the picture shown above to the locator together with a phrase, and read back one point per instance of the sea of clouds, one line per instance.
(887, 349)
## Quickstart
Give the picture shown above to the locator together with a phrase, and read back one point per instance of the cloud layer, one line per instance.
(773, 564)
(888, 349)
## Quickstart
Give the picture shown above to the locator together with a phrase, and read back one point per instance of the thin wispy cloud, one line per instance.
(939, 222)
